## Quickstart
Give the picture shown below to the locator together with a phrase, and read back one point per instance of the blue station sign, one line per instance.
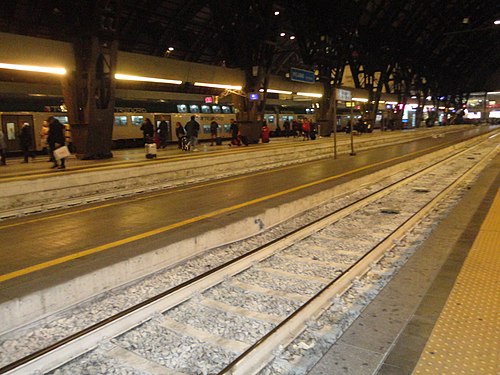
(300, 75)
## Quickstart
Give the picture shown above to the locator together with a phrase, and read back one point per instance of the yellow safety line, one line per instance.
(153, 232)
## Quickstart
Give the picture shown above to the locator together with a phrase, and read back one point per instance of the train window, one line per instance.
(182, 108)
(216, 109)
(227, 128)
(206, 129)
(62, 119)
(137, 120)
(205, 109)
(226, 109)
(269, 118)
(120, 120)
(193, 108)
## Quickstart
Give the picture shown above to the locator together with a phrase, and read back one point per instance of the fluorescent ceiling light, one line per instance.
(32, 68)
(311, 94)
(392, 103)
(217, 86)
(127, 77)
(363, 100)
(273, 91)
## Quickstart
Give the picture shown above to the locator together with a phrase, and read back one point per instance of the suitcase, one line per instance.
(244, 140)
(218, 141)
(150, 149)
(184, 144)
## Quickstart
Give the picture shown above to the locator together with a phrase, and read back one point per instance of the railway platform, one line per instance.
(106, 243)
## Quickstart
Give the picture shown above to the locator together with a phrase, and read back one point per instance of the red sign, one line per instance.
(209, 99)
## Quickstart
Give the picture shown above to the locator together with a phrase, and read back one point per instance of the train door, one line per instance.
(168, 120)
(11, 127)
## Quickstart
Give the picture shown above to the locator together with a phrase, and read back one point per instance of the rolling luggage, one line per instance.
(244, 139)
(150, 149)
(184, 144)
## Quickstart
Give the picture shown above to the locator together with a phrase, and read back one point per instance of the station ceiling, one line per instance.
(453, 43)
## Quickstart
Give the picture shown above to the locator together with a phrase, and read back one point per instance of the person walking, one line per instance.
(55, 140)
(306, 128)
(44, 132)
(163, 133)
(214, 126)
(26, 139)
(286, 127)
(148, 131)
(234, 129)
(180, 133)
(3, 149)
(192, 130)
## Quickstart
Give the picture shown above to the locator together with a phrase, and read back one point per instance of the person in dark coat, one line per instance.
(26, 139)
(286, 127)
(180, 133)
(163, 133)
(234, 129)
(3, 149)
(214, 126)
(148, 130)
(192, 130)
(56, 139)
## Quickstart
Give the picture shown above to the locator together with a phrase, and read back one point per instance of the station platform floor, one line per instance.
(41, 251)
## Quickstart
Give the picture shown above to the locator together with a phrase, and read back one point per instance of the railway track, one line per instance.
(242, 317)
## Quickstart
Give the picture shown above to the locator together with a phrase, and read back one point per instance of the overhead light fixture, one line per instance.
(282, 34)
(310, 94)
(170, 49)
(33, 68)
(391, 103)
(362, 100)
(127, 77)
(273, 91)
(277, 13)
(497, 22)
(218, 86)
(292, 37)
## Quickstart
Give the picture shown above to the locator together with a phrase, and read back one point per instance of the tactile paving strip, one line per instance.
(466, 337)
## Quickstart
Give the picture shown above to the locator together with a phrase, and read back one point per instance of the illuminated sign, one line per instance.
(254, 96)
(300, 75)
(209, 99)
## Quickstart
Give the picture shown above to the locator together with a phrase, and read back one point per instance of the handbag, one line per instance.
(61, 152)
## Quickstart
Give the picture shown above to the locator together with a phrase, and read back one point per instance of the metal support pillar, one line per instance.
(89, 91)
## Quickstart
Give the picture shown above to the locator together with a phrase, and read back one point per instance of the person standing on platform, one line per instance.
(180, 133)
(306, 128)
(286, 127)
(214, 126)
(234, 129)
(3, 149)
(55, 140)
(163, 133)
(44, 132)
(192, 129)
(26, 139)
(148, 130)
